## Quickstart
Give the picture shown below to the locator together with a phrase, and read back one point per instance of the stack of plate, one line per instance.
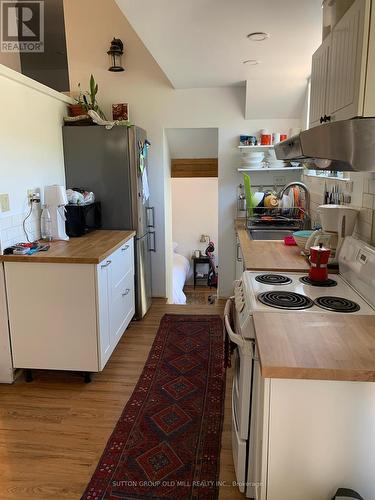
(272, 161)
(252, 159)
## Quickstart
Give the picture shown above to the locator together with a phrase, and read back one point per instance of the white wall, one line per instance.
(31, 153)
(31, 156)
(193, 142)
(156, 106)
(194, 212)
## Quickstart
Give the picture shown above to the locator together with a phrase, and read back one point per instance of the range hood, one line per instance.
(347, 145)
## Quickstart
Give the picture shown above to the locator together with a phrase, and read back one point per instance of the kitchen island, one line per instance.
(69, 307)
(89, 249)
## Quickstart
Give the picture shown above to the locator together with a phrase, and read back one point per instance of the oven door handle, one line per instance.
(237, 339)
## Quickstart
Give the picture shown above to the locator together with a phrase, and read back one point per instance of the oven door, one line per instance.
(242, 376)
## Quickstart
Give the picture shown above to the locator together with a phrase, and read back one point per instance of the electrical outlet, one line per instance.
(33, 195)
(4, 202)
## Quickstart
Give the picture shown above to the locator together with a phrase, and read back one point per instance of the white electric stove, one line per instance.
(352, 291)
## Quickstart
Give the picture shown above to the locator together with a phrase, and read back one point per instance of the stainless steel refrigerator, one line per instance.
(110, 163)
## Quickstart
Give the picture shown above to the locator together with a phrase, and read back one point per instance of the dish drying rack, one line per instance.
(294, 217)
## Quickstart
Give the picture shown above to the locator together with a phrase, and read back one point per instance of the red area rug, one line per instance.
(166, 444)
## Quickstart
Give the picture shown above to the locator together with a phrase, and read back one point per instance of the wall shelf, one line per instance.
(271, 169)
(259, 146)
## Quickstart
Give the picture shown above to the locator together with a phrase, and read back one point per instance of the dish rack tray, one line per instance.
(262, 216)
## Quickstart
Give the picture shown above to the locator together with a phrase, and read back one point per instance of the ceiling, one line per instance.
(202, 43)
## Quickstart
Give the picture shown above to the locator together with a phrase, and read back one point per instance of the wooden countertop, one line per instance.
(269, 255)
(316, 346)
(89, 249)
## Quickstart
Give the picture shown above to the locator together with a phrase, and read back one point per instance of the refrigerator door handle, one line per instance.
(153, 235)
(152, 223)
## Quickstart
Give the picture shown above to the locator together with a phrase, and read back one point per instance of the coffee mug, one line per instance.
(266, 139)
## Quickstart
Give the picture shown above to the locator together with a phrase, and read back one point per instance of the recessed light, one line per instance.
(258, 36)
(251, 62)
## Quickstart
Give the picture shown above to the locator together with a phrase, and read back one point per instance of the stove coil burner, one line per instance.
(327, 283)
(273, 279)
(337, 304)
(285, 300)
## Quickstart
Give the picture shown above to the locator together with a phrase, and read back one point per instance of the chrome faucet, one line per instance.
(306, 210)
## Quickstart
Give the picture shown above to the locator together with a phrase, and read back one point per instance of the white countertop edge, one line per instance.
(33, 84)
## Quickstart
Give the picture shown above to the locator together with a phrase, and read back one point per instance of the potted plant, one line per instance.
(89, 99)
(78, 109)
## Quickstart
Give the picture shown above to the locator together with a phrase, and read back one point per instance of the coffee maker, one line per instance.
(338, 221)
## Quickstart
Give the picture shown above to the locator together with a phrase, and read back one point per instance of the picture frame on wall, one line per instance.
(120, 112)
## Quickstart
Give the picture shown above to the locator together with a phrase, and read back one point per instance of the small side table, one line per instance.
(203, 259)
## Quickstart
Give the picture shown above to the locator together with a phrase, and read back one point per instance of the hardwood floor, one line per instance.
(53, 430)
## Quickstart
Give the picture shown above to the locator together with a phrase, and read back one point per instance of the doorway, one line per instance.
(194, 259)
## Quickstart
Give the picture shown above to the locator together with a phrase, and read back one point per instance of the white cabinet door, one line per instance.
(319, 79)
(121, 307)
(347, 66)
(116, 297)
(103, 314)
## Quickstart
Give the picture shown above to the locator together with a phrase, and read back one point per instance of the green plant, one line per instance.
(89, 98)
(79, 98)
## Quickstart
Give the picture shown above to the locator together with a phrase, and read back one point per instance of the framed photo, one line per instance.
(120, 112)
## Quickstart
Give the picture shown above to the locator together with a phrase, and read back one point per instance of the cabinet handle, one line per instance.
(125, 248)
(151, 224)
(106, 264)
(238, 253)
(126, 292)
(153, 248)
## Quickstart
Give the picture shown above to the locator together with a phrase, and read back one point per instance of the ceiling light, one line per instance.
(258, 36)
(251, 62)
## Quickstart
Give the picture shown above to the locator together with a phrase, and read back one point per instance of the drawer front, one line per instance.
(122, 307)
(122, 262)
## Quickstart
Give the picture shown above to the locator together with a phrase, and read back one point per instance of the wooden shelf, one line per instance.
(259, 146)
(271, 169)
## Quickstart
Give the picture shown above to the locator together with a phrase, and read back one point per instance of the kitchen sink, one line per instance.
(269, 234)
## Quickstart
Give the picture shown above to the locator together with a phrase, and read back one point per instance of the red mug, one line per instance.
(283, 137)
(266, 139)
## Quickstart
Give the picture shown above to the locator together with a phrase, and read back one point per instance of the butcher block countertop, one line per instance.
(317, 346)
(270, 255)
(89, 249)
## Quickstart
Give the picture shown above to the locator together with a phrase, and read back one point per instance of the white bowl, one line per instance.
(253, 155)
(258, 197)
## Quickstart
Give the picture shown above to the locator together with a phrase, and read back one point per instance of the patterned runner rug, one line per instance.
(166, 444)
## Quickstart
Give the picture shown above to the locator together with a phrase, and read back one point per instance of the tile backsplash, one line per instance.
(361, 187)
(12, 231)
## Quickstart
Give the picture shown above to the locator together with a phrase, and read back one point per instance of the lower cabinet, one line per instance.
(116, 299)
(69, 316)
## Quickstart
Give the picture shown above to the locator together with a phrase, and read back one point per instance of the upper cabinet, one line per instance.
(339, 68)
(319, 78)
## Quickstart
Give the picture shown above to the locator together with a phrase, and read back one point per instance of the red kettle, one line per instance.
(319, 257)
